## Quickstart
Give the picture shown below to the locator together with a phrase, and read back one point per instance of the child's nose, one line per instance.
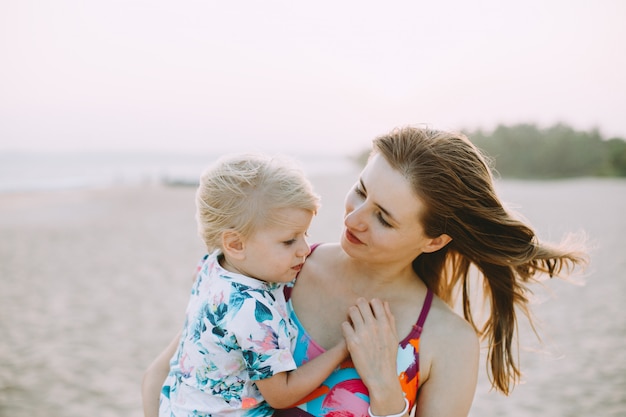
(304, 249)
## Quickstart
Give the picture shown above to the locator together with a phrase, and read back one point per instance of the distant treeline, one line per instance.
(527, 151)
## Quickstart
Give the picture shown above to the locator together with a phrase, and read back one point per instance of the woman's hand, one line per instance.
(371, 338)
(154, 376)
(372, 341)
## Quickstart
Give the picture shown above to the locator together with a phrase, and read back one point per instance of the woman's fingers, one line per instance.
(348, 332)
(381, 315)
(360, 313)
(378, 309)
(374, 317)
(371, 340)
(390, 317)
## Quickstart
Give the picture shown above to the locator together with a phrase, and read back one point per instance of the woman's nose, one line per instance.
(354, 219)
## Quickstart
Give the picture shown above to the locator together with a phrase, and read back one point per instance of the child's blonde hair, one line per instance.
(240, 192)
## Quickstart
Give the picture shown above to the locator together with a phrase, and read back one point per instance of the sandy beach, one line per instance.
(94, 284)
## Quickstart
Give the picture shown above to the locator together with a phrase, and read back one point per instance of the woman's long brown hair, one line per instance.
(453, 179)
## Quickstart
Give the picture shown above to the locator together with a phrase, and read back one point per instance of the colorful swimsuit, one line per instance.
(343, 394)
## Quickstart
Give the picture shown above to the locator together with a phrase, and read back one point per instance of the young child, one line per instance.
(234, 356)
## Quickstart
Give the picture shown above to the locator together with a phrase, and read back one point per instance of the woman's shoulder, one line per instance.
(320, 262)
(324, 247)
(448, 329)
(323, 254)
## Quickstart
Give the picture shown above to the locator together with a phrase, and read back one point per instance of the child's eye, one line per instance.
(289, 242)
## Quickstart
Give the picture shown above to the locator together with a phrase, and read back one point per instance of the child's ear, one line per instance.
(437, 243)
(233, 244)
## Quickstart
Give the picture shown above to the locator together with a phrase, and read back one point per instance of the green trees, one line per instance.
(526, 151)
(559, 151)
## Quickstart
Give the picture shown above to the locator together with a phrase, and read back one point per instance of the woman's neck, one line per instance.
(380, 280)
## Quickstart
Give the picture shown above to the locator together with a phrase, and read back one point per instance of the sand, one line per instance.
(94, 285)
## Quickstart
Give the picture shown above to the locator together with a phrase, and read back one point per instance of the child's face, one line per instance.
(276, 253)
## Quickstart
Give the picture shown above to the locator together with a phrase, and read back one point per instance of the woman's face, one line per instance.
(382, 216)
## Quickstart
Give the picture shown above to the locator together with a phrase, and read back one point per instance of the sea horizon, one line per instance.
(22, 171)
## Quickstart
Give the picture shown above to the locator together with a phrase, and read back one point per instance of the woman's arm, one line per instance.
(285, 389)
(449, 389)
(449, 392)
(154, 376)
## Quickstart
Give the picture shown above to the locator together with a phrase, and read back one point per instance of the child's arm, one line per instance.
(286, 388)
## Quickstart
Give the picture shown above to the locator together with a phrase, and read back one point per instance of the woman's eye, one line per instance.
(358, 191)
(383, 221)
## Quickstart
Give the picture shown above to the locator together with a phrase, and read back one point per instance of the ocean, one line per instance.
(37, 171)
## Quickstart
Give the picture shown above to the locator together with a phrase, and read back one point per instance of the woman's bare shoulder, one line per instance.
(321, 267)
(325, 249)
(448, 330)
(323, 256)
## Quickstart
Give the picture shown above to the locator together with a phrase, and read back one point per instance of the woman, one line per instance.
(422, 215)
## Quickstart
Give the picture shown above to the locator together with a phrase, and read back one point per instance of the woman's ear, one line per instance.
(233, 244)
(437, 243)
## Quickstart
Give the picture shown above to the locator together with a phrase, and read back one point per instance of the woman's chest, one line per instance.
(320, 312)
(321, 308)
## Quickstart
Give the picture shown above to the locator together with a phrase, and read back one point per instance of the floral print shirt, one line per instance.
(236, 331)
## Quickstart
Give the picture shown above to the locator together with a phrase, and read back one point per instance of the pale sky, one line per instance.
(322, 76)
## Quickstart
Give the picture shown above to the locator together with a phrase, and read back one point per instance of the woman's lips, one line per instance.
(352, 239)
